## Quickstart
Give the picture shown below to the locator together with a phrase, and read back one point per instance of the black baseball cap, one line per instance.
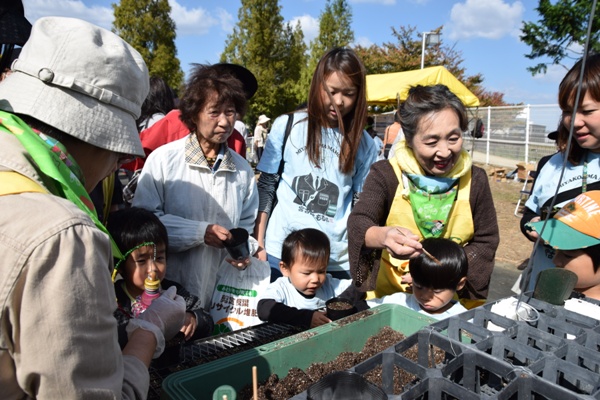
(243, 74)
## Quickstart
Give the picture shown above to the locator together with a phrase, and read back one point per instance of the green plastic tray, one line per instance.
(320, 344)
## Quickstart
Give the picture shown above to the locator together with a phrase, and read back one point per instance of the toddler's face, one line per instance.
(305, 276)
(140, 262)
(580, 263)
(433, 301)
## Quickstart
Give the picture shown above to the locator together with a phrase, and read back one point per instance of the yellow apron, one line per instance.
(459, 228)
(13, 183)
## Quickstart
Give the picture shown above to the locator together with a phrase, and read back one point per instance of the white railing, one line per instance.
(513, 134)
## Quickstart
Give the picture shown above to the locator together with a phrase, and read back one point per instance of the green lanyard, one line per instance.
(52, 159)
(585, 174)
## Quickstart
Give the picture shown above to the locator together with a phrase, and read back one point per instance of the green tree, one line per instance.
(402, 55)
(405, 55)
(560, 32)
(274, 52)
(148, 27)
(335, 30)
(297, 62)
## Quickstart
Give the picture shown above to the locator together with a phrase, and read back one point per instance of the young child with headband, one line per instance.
(143, 240)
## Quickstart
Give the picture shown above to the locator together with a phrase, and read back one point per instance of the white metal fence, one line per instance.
(513, 134)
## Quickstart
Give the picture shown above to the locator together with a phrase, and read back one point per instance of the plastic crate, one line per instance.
(320, 344)
(437, 388)
(474, 326)
(592, 340)
(388, 361)
(537, 339)
(566, 324)
(530, 387)
(420, 356)
(579, 320)
(483, 355)
(490, 356)
(428, 342)
(479, 372)
(460, 371)
(552, 315)
(580, 356)
(507, 349)
(432, 351)
(567, 375)
(572, 367)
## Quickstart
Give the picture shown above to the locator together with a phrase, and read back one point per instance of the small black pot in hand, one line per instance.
(237, 246)
(338, 307)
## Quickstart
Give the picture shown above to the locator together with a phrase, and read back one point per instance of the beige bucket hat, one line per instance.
(81, 79)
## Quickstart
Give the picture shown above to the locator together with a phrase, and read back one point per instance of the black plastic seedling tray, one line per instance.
(202, 351)
(554, 356)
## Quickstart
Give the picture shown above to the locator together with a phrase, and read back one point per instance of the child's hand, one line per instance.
(319, 318)
(406, 278)
(189, 325)
(533, 235)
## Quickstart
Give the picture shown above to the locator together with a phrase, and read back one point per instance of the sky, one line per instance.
(486, 32)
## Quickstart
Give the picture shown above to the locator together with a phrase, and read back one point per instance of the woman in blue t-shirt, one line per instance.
(324, 160)
(582, 169)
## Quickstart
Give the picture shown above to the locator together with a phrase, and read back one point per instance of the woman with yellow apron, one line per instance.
(428, 189)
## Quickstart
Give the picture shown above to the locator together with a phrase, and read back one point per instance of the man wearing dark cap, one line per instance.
(67, 120)
(196, 185)
(14, 30)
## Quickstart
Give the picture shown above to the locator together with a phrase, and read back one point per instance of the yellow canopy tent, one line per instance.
(388, 88)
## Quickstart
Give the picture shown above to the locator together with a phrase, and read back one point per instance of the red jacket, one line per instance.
(170, 128)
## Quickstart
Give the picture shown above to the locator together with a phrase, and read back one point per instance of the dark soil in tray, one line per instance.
(179, 356)
(297, 381)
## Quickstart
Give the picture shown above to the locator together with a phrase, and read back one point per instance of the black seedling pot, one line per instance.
(237, 246)
(338, 307)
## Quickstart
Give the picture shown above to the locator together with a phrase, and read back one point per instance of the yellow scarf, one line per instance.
(408, 163)
(460, 226)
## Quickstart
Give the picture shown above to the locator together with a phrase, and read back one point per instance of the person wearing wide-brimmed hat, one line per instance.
(260, 135)
(67, 121)
(198, 187)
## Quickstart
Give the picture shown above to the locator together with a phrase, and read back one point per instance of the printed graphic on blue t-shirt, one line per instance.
(313, 196)
(316, 194)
